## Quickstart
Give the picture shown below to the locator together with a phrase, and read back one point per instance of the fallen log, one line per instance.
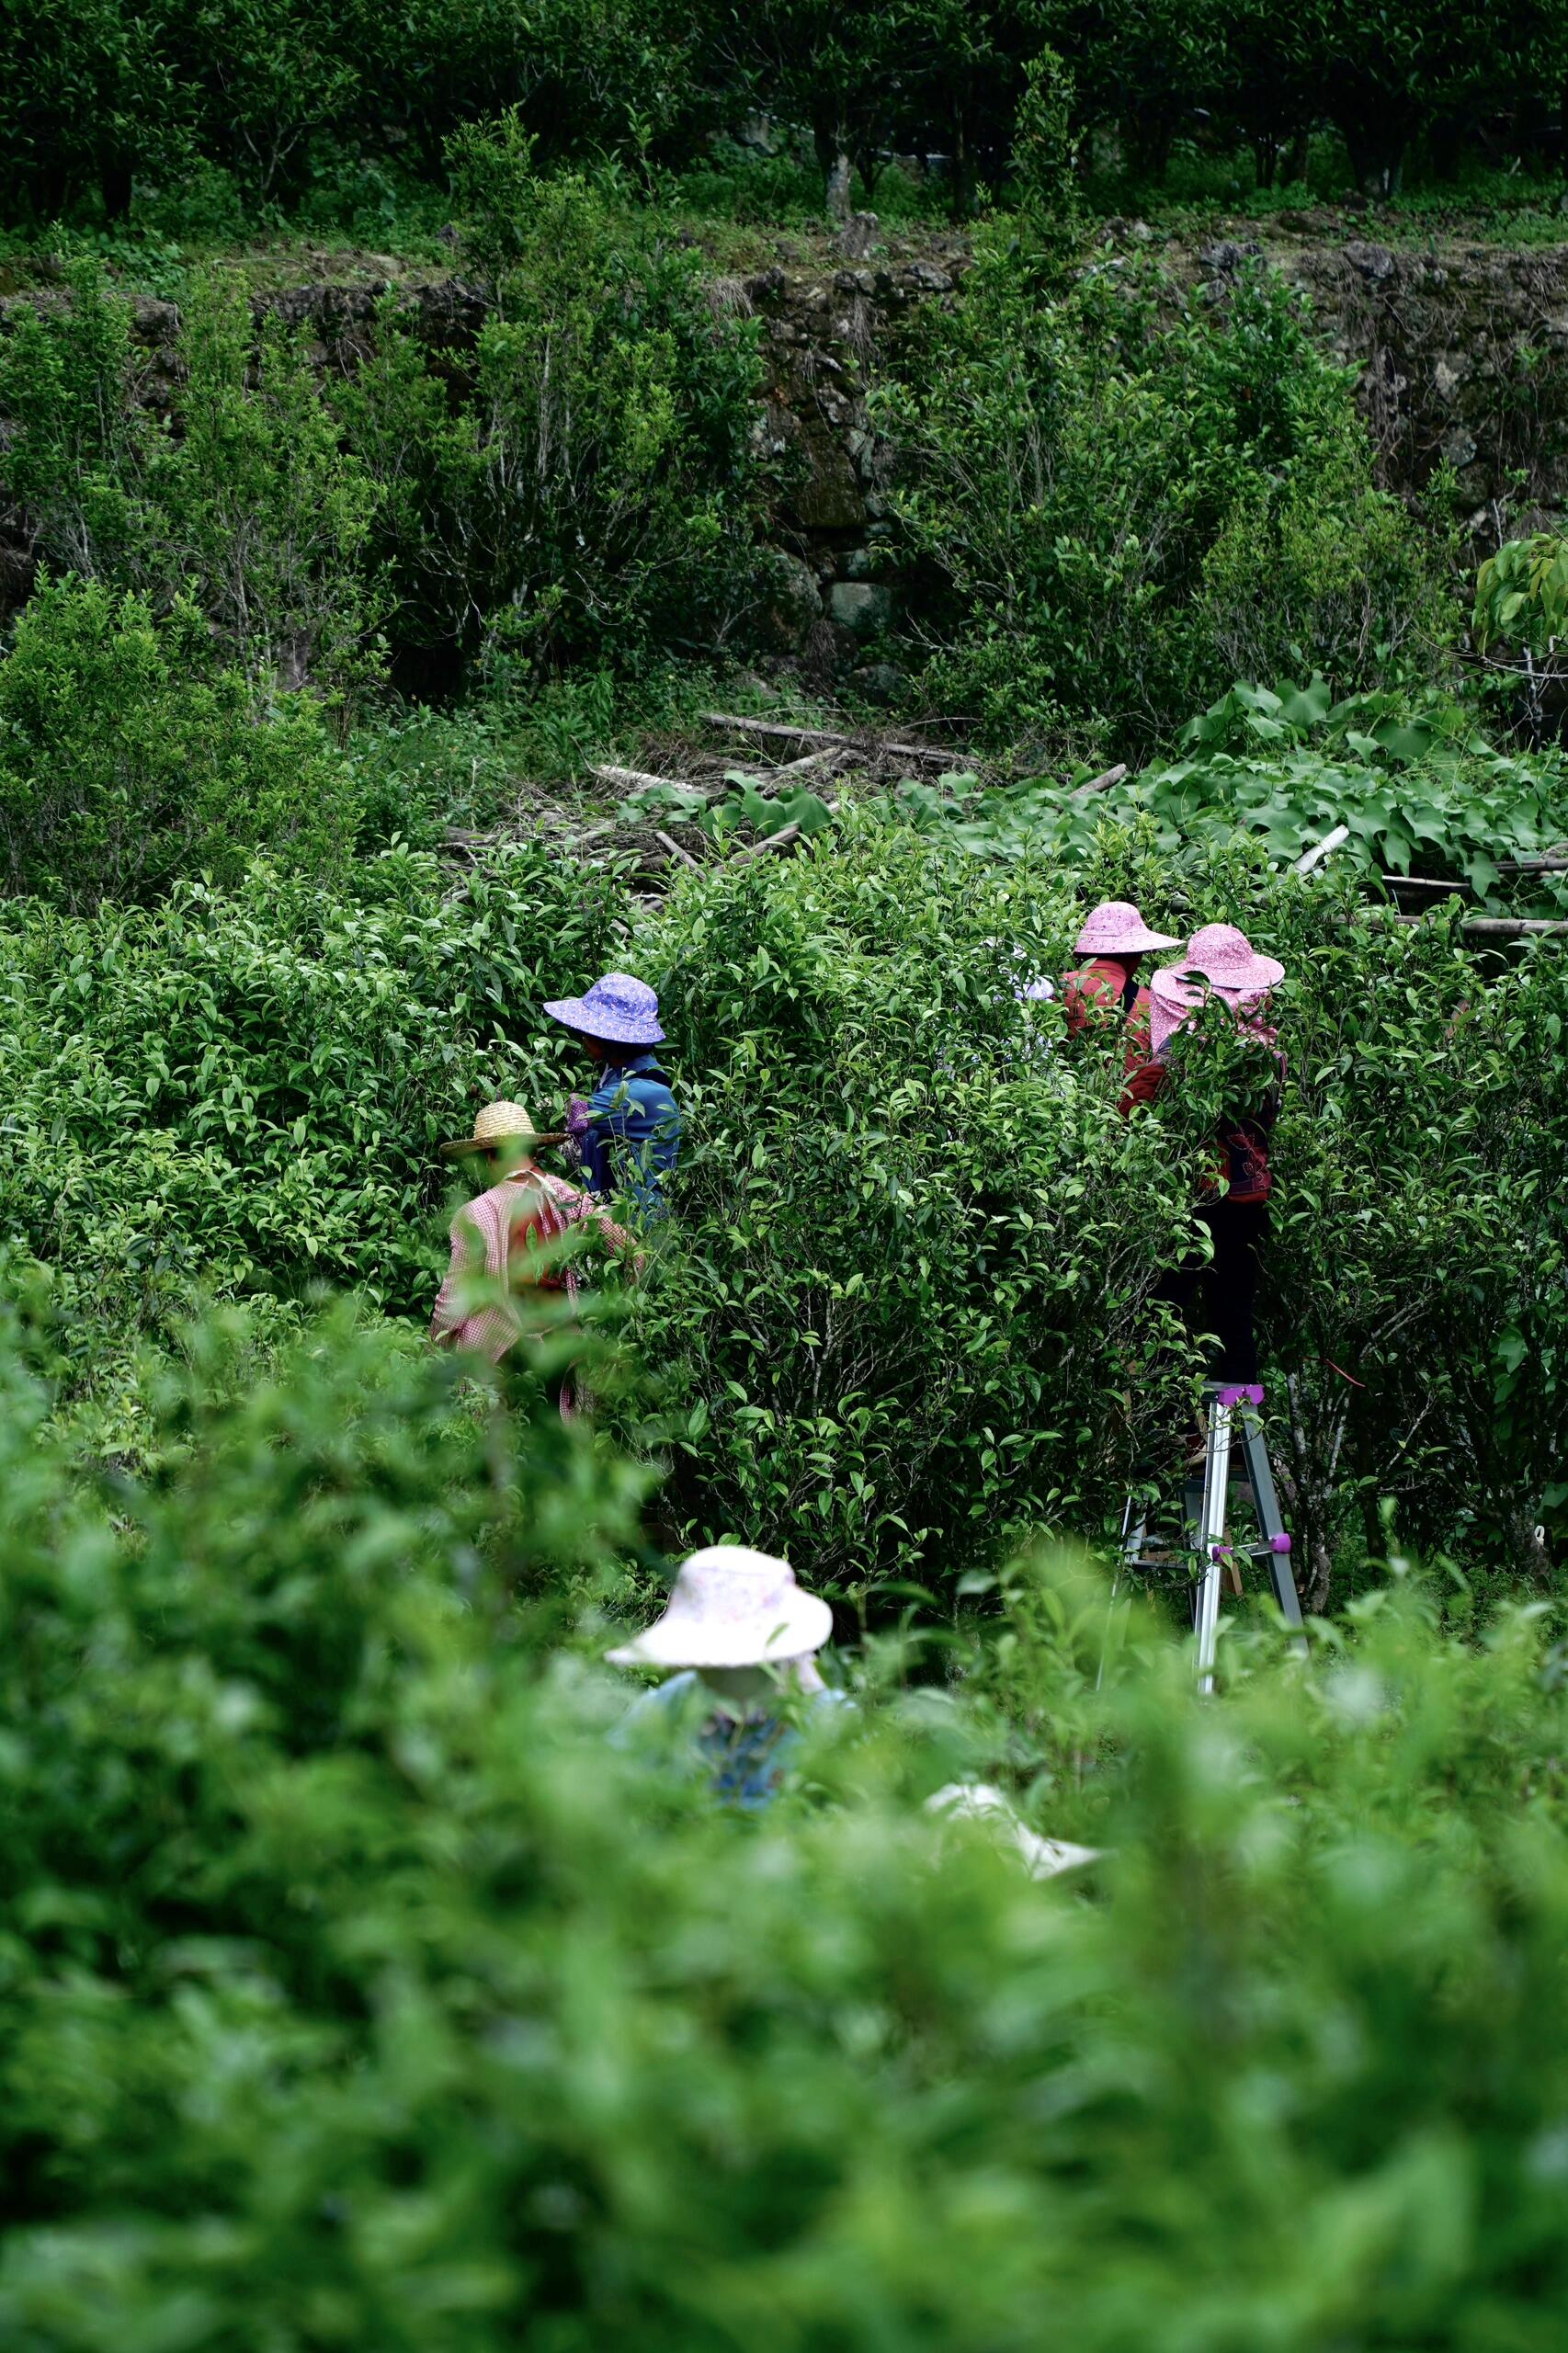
(1101, 783)
(876, 747)
(1511, 926)
(640, 780)
(669, 843)
(780, 840)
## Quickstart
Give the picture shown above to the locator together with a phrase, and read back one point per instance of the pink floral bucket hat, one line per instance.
(1229, 962)
(1176, 993)
(731, 1607)
(1116, 929)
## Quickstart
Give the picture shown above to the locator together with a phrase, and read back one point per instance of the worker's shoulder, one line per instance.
(491, 1207)
(1096, 978)
(646, 1090)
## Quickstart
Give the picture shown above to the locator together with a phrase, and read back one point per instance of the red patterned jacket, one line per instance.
(1241, 1154)
(1102, 990)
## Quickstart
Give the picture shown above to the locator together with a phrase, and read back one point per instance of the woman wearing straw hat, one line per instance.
(627, 1134)
(1222, 964)
(1114, 940)
(508, 1237)
(742, 1636)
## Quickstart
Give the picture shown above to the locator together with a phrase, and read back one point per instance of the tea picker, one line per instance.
(1221, 961)
(1106, 987)
(626, 1133)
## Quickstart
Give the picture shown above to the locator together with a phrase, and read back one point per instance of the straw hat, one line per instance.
(731, 1607)
(1176, 992)
(499, 1123)
(618, 1011)
(1227, 958)
(1116, 929)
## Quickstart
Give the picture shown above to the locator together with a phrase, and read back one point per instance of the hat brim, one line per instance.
(799, 1626)
(572, 1013)
(1262, 974)
(1126, 943)
(469, 1147)
(1167, 988)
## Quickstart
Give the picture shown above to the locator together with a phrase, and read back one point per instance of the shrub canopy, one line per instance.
(357, 1989)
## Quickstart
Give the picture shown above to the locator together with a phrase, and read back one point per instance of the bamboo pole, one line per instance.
(1473, 927)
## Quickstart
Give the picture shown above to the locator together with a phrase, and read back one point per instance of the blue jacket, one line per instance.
(633, 1135)
(745, 1758)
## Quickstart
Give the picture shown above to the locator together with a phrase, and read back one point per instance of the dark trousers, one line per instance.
(1228, 1285)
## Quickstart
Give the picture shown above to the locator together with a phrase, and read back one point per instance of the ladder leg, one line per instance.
(1265, 1504)
(1212, 1539)
(1134, 1527)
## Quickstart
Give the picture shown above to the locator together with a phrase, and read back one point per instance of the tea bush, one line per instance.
(357, 1989)
(1111, 505)
(128, 759)
(579, 487)
(910, 1242)
(590, 489)
(246, 1089)
(250, 506)
(904, 1303)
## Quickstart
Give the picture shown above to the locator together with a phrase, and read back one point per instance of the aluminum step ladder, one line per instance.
(1206, 1552)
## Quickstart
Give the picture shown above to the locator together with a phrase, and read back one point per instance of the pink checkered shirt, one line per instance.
(502, 1236)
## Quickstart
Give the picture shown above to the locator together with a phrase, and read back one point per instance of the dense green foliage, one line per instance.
(904, 1303)
(365, 1988)
(1417, 787)
(1381, 76)
(580, 483)
(357, 1990)
(907, 1303)
(249, 503)
(99, 100)
(128, 758)
(247, 1090)
(1128, 502)
(593, 491)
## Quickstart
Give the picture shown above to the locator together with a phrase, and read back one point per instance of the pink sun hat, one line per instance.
(1116, 929)
(1176, 994)
(1227, 959)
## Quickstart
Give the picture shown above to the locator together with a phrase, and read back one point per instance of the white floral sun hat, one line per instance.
(731, 1607)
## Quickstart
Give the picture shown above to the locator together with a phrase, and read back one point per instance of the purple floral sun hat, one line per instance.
(1116, 929)
(617, 1009)
(1227, 959)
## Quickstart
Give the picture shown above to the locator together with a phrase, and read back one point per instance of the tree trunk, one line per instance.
(1445, 145)
(1300, 148)
(963, 171)
(1376, 156)
(1530, 1555)
(1150, 137)
(832, 144)
(114, 181)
